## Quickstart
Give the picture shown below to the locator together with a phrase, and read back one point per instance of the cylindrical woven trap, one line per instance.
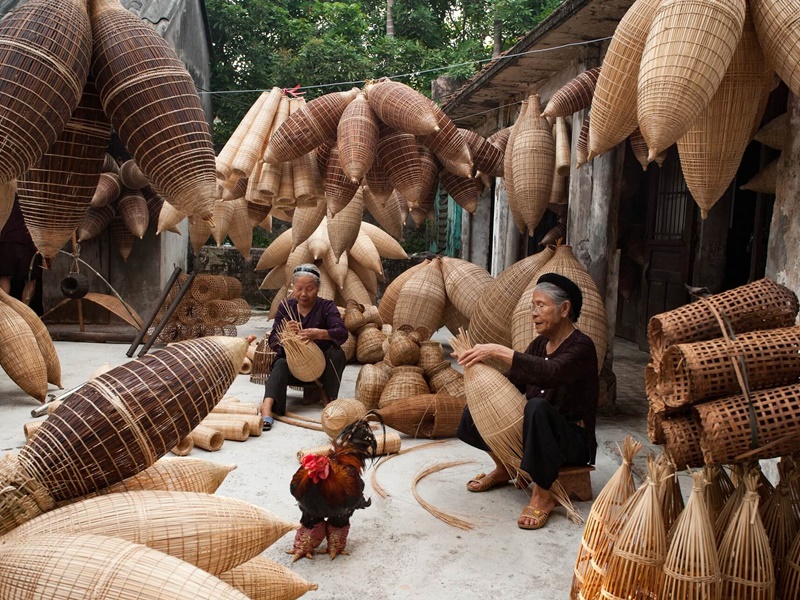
(404, 381)
(339, 414)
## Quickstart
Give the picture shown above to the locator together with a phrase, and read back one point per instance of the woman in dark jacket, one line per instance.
(321, 323)
(558, 374)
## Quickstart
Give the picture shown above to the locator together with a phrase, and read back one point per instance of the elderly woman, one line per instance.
(558, 374)
(320, 323)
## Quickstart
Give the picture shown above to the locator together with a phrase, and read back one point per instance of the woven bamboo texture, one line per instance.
(403, 351)
(672, 504)
(488, 157)
(392, 292)
(354, 318)
(152, 103)
(357, 138)
(387, 215)
(55, 193)
(305, 221)
(429, 179)
(405, 381)
(774, 134)
(693, 373)
(263, 579)
(726, 431)
(349, 347)
(448, 145)
(354, 289)
(780, 522)
(745, 558)
(399, 156)
(582, 145)
(251, 149)
(254, 423)
(614, 100)
(30, 428)
(422, 298)
(533, 163)
(431, 354)
(444, 379)
(500, 138)
(563, 143)
(169, 217)
(123, 421)
(223, 213)
(108, 186)
(8, 192)
(491, 318)
(776, 24)
(605, 509)
(762, 304)
(238, 191)
(277, 252)
(110, 165)
(232, 428)
(682, 441)
(307, 128)
(20, 356)
(574, 96)
(369, 347)
(132, 208)
(371, 381)
(344, 227)
(464, 282)
(95, 221)
(41, 335)
(425, 416)
(123, 238)
(339, 188)
(385, 245)
(339, 414)
(639, 148)
(269, 179)
(401, 107)
(131, 175)
(228, 153)
(675, 83)
(388, 443)
(45, 53)
(712, 148)
(463, 190)
(555, 235)
(765, 181)
(368, 278)
(378, 181)
(181, 524)
(717, 491)
(207, 438)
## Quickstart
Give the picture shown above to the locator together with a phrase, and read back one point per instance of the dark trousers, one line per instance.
(280, 378)
(549, 441)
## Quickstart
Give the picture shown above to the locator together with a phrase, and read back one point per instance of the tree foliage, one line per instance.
(259, 44)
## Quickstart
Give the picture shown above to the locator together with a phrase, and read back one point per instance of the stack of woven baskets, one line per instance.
(212, 306)
(722, 383)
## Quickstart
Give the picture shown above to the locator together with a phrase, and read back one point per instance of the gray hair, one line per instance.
(557, 295)
(306, 270)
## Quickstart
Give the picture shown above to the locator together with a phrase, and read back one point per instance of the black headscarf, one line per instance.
(570, 287)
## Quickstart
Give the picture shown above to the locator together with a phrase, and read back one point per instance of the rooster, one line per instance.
(329, 488)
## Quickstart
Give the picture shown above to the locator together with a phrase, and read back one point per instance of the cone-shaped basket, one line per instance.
(574, 96)
(422, 298)
(464, 282)
(778, 36)
(339, 414)
(263, 579)
(20, 356)
(401, 107)
(399, 156)
(357, 138)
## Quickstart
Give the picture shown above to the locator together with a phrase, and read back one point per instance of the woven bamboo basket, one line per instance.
(155, 204)
(233, 287)
(717, 491)
(133, 209)
(774, 134)
(339, 188)
(349, 347)
(765, 181)
(305, 360)
(123, 237)
(726, 425)
(223, 214)
(95, 221)
(563, 143)
(790, 577)
(208, 287)
(30, 428)
(131, 175)
(357, 138)
(614, 100)
(421, 299)
(240, 232)
(354, 316)
(403, 351)
(639, 148)
(387, 214)
(263, 579)
(712, 149)
(430, 355)
(368, 278)
(762, 304)
(181, 524)
(45, 52)
(270, 178)
(461, 189)
(744, 552)
(199, 233)
(228, 153)
(670, 493)
(399, 156)
(254, 423)
(307, 128)
(369, 347)
(675, 85)
(500, 138)
(124, 420)
(169, 217)
(490, 321)
(309, 188)
(429, 179)
(184, 447)
(354, 289)
(365, 252)
(378, 181)
(700, 371)
(40, 333)
(780, 522)
(388, 443)
(20, 356)
(343, 228)
(778, 36)
(444, 379)
(207, 438)
(556, 235)
(238, 191)
(234, 428)
(606, 507)
(55, 193)
(154, 107)
(448, 145)
(251, 149)
(370, 384)
(682, 441)
(404, 381)
(533, 164)
(574, 96)
(392, 292)
(464, 282)
(339, 414)
(181, 475)
(385, 245)
(401, 107)
(692, 566)
(582, 145)
(277, 252)
(76, 566)
(425, 416)
(488, 158)
(305, 221)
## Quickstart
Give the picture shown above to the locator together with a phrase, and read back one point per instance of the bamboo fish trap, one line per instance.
(169, 136)
(392, 292)
(574, 96)
(357, 138)
(305, 359)
(401, 107)
(339, 414)
(399, 156)
(388, 443)
(174, 474)
(20, 355)
(182, 524)
(464, 282)
(777, 34)
(790, 576)
(262, 579)
(780, 521)
(82, 566)
(425, 416)
(421, 300)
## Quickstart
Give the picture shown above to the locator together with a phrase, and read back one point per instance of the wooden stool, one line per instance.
(577, 481)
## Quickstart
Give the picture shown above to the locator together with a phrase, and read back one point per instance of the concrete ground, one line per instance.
(398, 549)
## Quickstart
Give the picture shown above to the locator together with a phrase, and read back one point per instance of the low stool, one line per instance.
(577, 481)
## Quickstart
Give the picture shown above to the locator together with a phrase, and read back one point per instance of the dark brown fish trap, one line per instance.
(399, 156)
(425, 416)
(109, 164)
(574, 96)
(464, 190)
(762, 304)
(682, 441)
(108, 186)
(401, 107)
(133, 209)
(124, 420)
(780, 522)
(55, 193)
(152, 103)
(488, 157)
(357, 138)
(95, 221)
(123, 237)
(45, 53)
(500, 138)
(339, 188)
(262, 362)
(696, 372)
(448, 145)
(131, 175)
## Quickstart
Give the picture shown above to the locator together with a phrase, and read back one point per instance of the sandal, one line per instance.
(267, 423)
(539, 518)
(484, 484)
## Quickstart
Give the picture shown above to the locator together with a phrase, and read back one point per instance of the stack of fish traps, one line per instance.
(723, 382)
(212, 306)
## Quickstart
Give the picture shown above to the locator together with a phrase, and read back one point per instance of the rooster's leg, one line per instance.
(337, 539)
(306, 540)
